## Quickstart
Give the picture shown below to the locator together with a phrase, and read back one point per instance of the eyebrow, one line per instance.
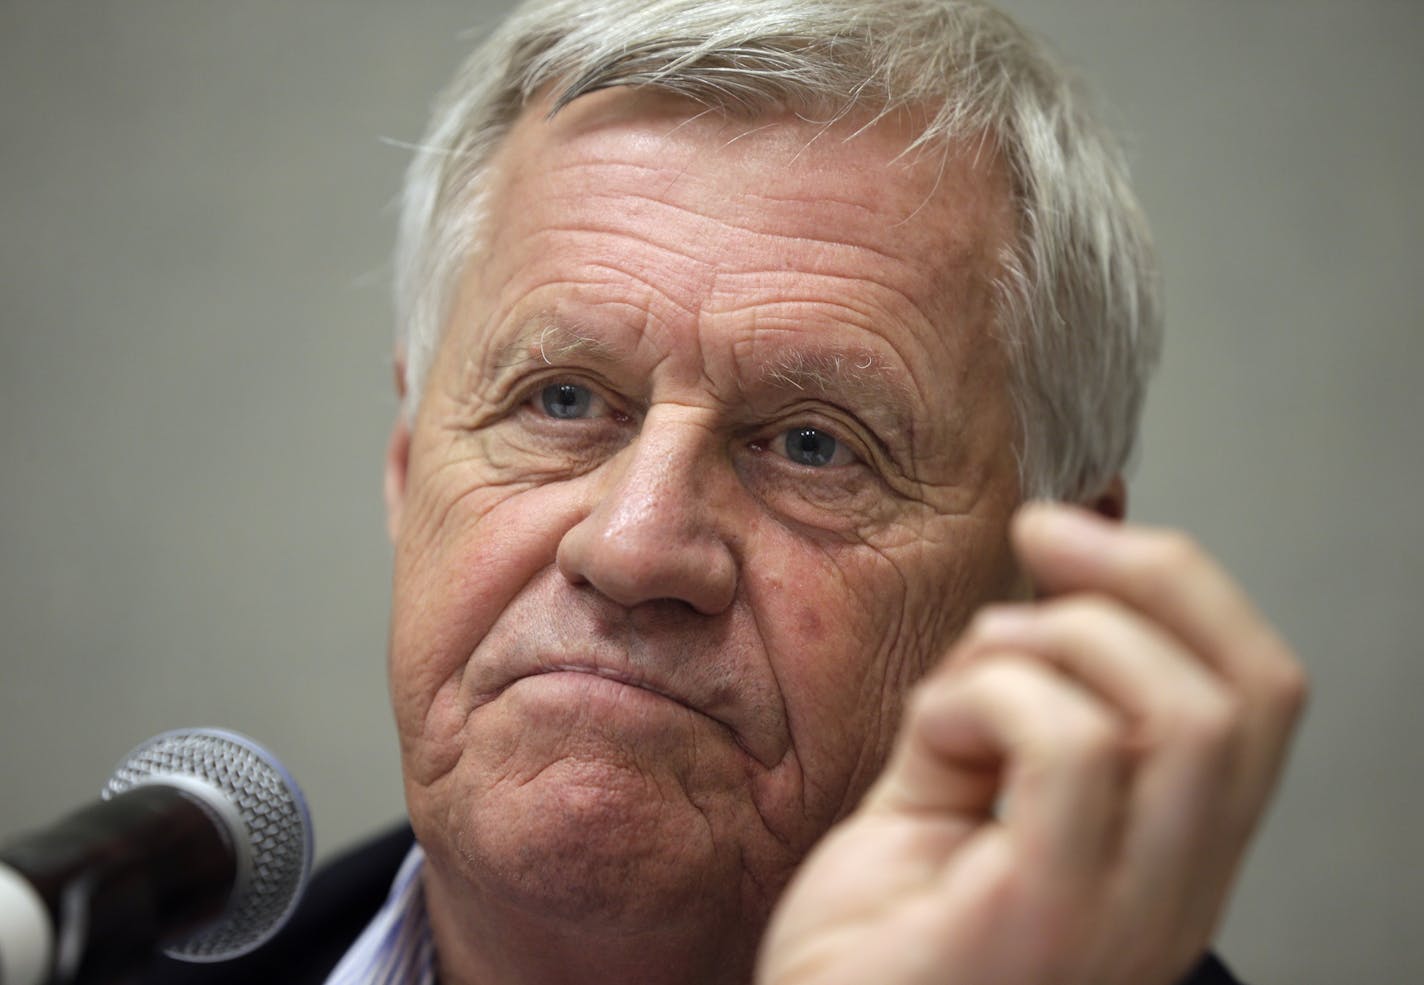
(547, 342)
(860, 374)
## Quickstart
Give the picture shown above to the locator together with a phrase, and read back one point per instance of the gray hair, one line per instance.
(1077, 293)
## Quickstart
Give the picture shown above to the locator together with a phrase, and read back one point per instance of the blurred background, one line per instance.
(195, 389)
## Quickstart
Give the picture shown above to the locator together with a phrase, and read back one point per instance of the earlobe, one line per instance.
(397, 463)
(397, 455)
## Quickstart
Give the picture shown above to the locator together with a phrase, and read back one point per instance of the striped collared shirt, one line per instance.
(396, 947)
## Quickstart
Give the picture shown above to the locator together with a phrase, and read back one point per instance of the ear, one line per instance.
(1112, 501)
(397, 455)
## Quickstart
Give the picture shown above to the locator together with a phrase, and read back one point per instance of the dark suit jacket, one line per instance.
(341, 900)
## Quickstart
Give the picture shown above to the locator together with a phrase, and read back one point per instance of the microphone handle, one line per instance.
(122, 876)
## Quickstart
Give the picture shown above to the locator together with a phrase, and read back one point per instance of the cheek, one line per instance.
(810, 626)
(850, 627)
(465, 550)
(830, 620)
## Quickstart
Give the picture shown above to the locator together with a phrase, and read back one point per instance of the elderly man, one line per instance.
(726, 643)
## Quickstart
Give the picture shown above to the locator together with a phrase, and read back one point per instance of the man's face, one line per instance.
(714, 460)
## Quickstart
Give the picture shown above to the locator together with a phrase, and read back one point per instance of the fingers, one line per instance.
(1203, 691)
(1166, 577)
(1006, 735)
(1133, 721)
(1163, 577)
(1190, 801)
(1130, 661)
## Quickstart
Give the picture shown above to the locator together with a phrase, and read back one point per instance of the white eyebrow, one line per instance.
(547, 342)
(858, 373)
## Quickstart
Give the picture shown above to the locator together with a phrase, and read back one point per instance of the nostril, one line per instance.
(693, 567)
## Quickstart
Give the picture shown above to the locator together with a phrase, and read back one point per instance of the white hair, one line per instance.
(1077, 293)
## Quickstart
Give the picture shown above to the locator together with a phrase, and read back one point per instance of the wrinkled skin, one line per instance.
(716, 461)
(1073, 786)
(643, 657)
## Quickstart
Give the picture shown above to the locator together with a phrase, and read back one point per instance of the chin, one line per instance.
(591, 843)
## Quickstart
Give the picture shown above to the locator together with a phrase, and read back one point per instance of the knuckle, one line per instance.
(976, 635)
(982, 617)
(921, 699)
(1091, 738)
(1214, 724)
(1290, 688)
(921, 713)
(1279, 678)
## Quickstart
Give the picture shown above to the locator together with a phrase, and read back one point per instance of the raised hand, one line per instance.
(1072, 789)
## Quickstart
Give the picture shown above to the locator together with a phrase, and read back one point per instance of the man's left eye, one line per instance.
(814, 448)
(566, 401)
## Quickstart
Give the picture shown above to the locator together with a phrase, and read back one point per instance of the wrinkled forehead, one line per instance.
(772, 246)
(812, 154)
(913, 239)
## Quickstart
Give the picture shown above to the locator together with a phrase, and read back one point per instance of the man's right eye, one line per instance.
(566, 401)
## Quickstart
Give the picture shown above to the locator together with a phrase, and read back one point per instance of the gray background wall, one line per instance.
(194, 392)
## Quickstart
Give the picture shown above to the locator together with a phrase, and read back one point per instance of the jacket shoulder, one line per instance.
(1211, 971)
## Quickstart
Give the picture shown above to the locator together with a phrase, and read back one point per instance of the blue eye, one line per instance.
(566, 400)
(809, 446)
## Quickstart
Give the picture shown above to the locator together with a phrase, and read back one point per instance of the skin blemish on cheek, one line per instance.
(809, 624)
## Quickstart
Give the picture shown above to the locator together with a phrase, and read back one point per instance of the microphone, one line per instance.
(200, 845)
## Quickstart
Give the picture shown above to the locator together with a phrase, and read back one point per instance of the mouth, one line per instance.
(624, 678)
(621, 677)
(614, 689)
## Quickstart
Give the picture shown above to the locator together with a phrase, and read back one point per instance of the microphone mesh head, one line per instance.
(277, 841)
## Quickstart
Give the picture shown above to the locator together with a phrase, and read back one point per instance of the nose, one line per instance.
(656, 529)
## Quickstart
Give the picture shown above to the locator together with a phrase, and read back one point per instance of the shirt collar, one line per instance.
(396, 947)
